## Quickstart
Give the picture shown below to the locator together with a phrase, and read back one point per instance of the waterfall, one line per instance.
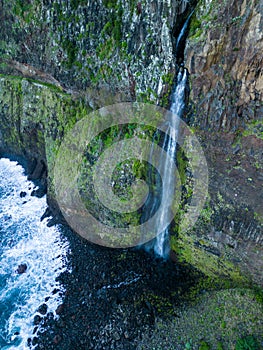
(181, 39)
(161, 246)
(180, 42)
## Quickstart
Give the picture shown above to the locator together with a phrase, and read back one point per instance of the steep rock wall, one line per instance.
(98, 52)
(123, 47)
(224, 56)
(34, 119)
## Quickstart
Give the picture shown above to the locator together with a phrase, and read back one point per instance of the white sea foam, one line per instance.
(25, 239)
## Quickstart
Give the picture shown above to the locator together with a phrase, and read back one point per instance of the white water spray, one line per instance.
(25, 239)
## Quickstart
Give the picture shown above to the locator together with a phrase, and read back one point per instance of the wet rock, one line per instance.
(55, 291)
(115, 320)
(38, 170)
(39, 193)
(56, 339)
(37, 320)
(34, 341)
(42, 309)
(52, 221)
(47, 214)
(59, 309)
(21, 268)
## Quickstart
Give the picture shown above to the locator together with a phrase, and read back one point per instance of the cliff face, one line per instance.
(34, 119)
(224, 56)
(97, 52)
(123, 47)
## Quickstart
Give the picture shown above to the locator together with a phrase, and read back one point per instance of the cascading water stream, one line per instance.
(161, 246)
(178, 98)
(180, 42)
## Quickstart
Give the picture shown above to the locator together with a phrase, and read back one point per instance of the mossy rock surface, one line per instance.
(226, 319)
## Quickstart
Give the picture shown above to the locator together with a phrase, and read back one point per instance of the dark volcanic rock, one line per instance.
(42, 309)
(40, 192)
(224, 56)
(21, 268)
(37, 320)
(112, 297)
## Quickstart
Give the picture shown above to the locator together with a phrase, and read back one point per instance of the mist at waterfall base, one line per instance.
(25, 239)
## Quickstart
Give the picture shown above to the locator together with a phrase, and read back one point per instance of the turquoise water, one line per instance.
(24, 239)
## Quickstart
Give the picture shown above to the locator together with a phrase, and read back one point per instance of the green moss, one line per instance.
(24, 10)
(44, 107)
(144, 97)
(167, 79)
(258, 217)
(139, 169)
(206, 214)
(76, 3)
(107, 29)
(114, 26)
(219, 346)
(258, 294)
(204, 346)
(205, 17)
(161, 305)
(201, 320)
(197, 34)
(71, 49)
(255, 128)
(198, 255)
(110, 3)
(104, 50)
(195, 26)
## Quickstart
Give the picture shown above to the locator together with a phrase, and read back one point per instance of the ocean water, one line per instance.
(24, 239)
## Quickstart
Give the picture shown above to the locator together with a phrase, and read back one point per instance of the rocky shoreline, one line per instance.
(129, 299)
(112, 298)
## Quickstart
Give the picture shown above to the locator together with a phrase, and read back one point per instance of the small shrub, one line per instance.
(247, 343)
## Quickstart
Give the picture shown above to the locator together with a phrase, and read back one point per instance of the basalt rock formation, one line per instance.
(224, 56)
